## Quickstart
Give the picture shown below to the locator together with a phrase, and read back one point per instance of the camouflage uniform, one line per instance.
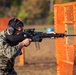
(7, 55)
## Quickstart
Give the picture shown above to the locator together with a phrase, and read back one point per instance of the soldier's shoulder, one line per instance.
(2, 34)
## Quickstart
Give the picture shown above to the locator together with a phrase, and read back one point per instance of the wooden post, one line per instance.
(21, 58)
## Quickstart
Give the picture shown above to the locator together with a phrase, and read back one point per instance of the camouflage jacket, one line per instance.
(7, 53)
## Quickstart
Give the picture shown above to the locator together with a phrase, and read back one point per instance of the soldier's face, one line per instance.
(19, 30)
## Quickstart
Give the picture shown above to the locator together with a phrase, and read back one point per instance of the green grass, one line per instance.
(70, 30)
(41, 29)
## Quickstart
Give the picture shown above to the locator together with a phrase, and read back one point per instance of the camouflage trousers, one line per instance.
(8, 73)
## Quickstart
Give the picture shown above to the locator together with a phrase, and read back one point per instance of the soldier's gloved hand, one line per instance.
(25, 42)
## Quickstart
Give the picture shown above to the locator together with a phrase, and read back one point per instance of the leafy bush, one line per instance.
(50, 19)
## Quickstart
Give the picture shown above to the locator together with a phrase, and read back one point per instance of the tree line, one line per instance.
(30, 11)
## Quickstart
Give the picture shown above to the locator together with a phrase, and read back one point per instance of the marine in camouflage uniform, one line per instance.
(8, 54)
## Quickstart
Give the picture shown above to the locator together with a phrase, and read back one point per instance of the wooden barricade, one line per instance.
(65, 14)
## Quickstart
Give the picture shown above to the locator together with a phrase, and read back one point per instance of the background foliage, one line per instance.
(30, 11)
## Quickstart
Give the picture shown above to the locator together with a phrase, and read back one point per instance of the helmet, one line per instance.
(12, 24)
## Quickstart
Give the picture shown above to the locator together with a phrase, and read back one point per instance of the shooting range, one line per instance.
(64, 16)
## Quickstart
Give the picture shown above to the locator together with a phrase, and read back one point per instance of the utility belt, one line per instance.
(2, 72)
(5, 69)
(7, 72)
(6, 65)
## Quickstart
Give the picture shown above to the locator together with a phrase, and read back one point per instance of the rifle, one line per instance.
(35, 36)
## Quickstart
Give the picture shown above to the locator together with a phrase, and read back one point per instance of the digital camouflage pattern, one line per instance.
(7, 55)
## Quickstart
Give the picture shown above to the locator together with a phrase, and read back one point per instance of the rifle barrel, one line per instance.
(70, 34)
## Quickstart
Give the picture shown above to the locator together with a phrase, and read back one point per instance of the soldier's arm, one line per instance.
(11, 51)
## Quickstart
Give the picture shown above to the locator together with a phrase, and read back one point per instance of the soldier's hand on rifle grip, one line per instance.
(26, 42)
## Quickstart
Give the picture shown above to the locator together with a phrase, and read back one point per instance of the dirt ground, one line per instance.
(39, 62)
(42, 61)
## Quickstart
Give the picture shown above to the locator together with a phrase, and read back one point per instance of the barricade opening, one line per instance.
(69, 30)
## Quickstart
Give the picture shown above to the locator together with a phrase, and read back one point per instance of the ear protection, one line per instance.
(11, 30)
(11, 26)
